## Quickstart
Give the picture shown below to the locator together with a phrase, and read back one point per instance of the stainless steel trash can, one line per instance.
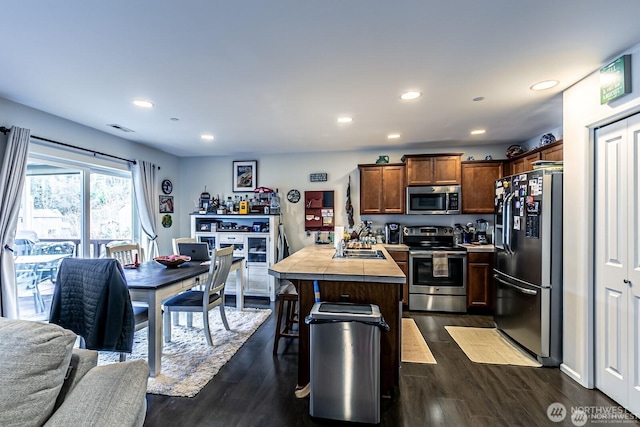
(345, 361)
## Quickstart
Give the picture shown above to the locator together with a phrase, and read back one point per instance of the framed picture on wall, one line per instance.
(166, 204)
(245, 175)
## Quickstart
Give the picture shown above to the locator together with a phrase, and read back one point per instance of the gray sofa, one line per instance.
(44, 381)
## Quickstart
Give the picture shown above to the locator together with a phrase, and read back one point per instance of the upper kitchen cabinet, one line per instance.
(552, 152)
(432, 169)
(382, 188)
(524, 161)
(478, 180)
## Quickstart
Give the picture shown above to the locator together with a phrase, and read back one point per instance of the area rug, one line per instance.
(486, 345)
(414, 347)
(188, 363)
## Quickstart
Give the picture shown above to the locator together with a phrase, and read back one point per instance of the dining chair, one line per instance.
(126, 254)
(177, 240)
(92, 299)
(194, 301)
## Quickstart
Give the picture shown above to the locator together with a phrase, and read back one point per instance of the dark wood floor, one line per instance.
(257, 389)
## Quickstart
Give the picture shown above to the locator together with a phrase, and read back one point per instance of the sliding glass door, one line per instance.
(67, 210)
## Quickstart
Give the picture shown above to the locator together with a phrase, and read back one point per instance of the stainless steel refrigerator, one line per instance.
(528, 269)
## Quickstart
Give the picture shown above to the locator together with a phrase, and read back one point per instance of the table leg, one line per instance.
(155, 335)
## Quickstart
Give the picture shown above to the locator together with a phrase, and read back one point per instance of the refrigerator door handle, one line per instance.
(521, 289)
(507, 223)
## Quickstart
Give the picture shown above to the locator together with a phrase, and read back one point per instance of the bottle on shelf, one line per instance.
(274, 203)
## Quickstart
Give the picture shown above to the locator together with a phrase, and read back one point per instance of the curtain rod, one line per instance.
(5, 130)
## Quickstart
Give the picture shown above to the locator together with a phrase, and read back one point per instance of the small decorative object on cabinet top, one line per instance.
(167, 186)
(488, 157)
(547, 138)
(514, 150)
(383, 159)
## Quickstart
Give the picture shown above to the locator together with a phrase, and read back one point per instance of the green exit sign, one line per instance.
(615, 79)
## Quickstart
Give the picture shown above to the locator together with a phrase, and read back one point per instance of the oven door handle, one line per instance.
(521, 289)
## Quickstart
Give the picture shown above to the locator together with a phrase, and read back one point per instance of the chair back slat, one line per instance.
(219, 270)
(126, 254)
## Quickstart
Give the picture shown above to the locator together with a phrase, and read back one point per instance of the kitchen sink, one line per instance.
(363, 254)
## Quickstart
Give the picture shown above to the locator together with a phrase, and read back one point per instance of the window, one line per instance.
(67, 210)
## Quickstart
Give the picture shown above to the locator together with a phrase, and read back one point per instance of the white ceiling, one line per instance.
(272, 76)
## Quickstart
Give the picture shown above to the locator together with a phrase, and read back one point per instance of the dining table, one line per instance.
(152, 283)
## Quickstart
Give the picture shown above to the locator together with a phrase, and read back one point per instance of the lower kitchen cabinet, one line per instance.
(402, 259)
(480, 280)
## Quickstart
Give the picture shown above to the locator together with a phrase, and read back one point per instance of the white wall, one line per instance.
(55, 128)
(289, 171)
(581, 113)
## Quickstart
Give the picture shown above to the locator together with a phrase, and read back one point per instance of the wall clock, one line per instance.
(293, 196)
(167, 186)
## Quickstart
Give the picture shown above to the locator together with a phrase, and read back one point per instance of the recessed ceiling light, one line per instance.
(412, 94)
(142, 103)
(345, 119)
(547, 84)
(393, 136)
(207, 137)
(478, 132)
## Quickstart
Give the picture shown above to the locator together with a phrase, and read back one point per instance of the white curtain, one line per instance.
(146, 194)
(12, 177)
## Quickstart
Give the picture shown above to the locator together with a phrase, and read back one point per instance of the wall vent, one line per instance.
(119, 127)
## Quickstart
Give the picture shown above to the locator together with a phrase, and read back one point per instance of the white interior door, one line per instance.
(617, 266)
(633, 273)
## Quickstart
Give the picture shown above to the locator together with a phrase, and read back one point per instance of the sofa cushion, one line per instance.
(35, 358)
(108, 395)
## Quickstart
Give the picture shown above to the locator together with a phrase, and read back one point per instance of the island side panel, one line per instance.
(387, 296)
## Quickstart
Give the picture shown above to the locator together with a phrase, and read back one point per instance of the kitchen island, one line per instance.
(362, 281)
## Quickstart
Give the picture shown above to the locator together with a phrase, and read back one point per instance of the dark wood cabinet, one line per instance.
(478, 180)
(480, 280)
(402, 259)
(382, 189)
(432, 169)
(553, 152)
(524, 161)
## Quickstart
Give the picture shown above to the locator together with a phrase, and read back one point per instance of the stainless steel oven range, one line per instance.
(439, 285)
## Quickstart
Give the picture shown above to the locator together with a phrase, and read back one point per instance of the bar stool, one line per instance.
(288, 299)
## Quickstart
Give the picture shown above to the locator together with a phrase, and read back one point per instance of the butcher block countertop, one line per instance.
(477, 248)
(317, 263)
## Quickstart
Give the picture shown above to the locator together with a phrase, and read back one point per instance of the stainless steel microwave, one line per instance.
(434, 200)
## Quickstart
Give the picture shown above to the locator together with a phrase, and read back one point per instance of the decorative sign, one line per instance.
(318, 177)
(615, 79)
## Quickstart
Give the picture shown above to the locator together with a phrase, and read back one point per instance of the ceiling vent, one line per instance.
(119, 127)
